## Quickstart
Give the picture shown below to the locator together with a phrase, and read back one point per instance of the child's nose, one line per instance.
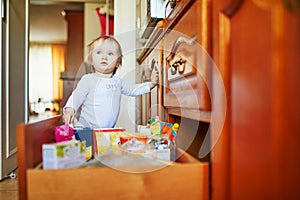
(104, 56)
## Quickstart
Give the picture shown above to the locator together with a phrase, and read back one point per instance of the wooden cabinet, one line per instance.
(249, 103)
(184, 43)
(152, 102)
(182, 95)
(74, 53)
(187, 65)
(255, 47)
(142, 181)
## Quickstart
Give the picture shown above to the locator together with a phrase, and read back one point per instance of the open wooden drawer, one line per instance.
(185, 179)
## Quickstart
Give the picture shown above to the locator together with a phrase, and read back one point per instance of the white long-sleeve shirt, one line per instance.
(100, 99)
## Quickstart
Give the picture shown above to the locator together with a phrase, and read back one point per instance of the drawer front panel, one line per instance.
(158, 181)
(186, 61)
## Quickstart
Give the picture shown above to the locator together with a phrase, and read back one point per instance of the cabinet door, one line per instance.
(187, 63)
(152, 102)
(14, 69)
(257, 54)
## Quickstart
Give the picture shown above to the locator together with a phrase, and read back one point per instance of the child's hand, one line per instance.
(154, 77)
(68, 116)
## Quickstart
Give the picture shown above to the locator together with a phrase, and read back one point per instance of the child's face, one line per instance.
(105, 56)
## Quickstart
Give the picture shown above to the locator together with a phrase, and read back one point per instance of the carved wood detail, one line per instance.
(232, 7)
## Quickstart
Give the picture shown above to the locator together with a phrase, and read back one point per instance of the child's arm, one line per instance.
(68, 115)
(142, 88)
(154, 78)
(76, 99)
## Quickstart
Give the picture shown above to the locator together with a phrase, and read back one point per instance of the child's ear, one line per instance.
(89, 60)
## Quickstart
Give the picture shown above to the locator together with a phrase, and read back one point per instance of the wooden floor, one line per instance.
(9, 189)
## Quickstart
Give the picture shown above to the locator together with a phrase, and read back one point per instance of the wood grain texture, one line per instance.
(106, 183)
(190, 90)
(255, 47)
(30, 138)
(164, 182)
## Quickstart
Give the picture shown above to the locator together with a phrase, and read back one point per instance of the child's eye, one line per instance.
(110, 54)
(98, 52)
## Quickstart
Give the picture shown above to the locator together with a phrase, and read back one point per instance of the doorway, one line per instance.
(48, 36)
(63, 37)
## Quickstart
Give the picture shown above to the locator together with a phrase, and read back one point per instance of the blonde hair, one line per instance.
(91, 47)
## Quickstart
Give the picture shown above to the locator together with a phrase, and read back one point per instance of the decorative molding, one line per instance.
(195, 114)
(232, 8)
(6, 86)
(292, 5)
(3, 9)
(168, 23)
(263, 4)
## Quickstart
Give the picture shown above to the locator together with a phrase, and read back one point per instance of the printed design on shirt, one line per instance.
(111, 86)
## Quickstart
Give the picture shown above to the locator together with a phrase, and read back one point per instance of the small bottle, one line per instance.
(175, 128)
(173, 147)
(155, 127)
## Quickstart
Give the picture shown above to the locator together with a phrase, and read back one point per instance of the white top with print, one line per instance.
(100, 99)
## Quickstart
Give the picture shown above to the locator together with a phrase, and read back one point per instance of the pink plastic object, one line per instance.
(63, 133)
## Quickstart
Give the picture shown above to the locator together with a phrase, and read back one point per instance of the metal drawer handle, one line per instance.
(178, 42)
(179, 66)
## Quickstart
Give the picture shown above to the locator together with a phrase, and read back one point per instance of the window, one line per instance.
(46, 62)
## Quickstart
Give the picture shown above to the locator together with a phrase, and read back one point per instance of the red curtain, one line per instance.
(102, 19)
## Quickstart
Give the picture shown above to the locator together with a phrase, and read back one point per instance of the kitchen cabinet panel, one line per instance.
(187, 64)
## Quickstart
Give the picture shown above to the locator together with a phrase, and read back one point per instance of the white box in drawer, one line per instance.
(63, 154)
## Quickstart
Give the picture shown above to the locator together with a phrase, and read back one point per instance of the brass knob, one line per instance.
(179, 66)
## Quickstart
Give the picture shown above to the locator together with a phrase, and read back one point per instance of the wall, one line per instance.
(124, 29)
(91, 24)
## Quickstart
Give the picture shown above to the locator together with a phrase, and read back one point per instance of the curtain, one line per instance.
(58, 66)
(46, 62)
(40, 72)
(102, 18)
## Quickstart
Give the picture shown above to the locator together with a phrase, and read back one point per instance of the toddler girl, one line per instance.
(99, 93)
